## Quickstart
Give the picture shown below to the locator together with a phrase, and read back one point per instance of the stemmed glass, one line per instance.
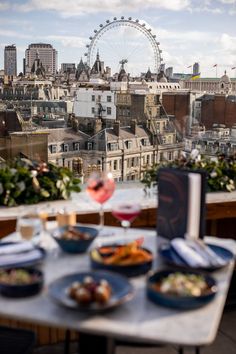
(100, 187)
(126, 213)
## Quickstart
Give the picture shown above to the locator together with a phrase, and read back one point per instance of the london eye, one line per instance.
(126, 41)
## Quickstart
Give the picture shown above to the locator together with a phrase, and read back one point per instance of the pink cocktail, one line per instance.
(101, 190)
(126, 213)
(100, 187)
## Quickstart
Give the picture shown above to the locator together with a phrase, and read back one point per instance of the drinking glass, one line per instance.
(29, 226)
(100, 187)
(126, 213)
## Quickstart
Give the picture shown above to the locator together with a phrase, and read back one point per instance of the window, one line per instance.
(128, 144)
(93, 110)
(76, 146)
(112, 146)
(133, 162)
(93, 98)
(53, 149)
(65, 148)
(90, 146)
(163, 139)
(148, 160)
(108, 98)
(169, 156)
(115, 165)
(108, 110)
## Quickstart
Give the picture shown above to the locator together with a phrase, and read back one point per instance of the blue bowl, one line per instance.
(23, 290)
(74, 246)
(131, 270)
(176, 301)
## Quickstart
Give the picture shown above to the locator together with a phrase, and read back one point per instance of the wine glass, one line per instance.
(100, 187)
(126, 213)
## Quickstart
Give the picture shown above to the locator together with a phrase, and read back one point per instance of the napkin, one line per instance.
(19, 247)
(188, 254)
(8, 260)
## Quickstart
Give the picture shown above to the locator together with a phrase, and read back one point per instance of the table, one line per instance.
(138, 320)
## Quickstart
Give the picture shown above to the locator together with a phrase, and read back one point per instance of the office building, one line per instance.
(46, 53)
(10, 67)
(196, 68)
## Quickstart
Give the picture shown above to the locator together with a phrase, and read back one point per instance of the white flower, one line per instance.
(213, 174)
(13, 171)
(194, 154)
(34, 173)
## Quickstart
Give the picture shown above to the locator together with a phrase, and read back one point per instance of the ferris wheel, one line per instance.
(125, 41)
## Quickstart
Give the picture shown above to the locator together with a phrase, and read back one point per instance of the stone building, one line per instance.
(17, 138)
(218, 140)
(224, 84)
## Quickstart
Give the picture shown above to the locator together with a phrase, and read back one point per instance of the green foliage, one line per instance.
(26, 182)
(221, 171)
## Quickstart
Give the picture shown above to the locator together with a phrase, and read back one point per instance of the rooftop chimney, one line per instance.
(116, 127)
(133, 125)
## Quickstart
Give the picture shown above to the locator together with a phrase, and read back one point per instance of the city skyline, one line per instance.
(189, 31)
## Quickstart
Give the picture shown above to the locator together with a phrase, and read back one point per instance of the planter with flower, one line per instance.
(221, 170)
(27, 182)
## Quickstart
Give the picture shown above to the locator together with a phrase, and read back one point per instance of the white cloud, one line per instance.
(4, 6)
(14, 34)
(228, 1)
(78, 8)
(69, 41)
(228, 43)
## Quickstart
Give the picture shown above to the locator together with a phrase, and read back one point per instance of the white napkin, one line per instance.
(188, 254)
(18, 247)
(12, 259)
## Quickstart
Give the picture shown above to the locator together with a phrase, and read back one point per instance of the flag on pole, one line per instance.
(215, 65)
(196, 76)
(189, 66)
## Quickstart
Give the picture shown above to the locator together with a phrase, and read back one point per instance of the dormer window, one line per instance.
(76, 146)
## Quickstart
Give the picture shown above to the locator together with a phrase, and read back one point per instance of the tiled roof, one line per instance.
(64, 134)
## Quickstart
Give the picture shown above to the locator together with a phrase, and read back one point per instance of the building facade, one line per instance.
(45, 52)
(10, 60)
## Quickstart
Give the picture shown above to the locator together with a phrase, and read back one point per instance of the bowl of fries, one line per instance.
(129, 259)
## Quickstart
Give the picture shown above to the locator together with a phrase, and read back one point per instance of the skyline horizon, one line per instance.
(189, 31)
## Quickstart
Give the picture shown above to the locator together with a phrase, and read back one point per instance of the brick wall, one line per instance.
(177, 104)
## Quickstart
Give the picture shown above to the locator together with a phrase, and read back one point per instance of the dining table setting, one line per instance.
(114, 283)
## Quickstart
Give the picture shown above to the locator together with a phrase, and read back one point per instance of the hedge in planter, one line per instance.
(27, 182)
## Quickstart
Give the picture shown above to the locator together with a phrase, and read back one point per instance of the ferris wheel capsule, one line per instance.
(149, 30)
(154, 36)
(143, 24)
(107, 21)
(115, 18)
(95, 31)
(137, 20)
(86, 54)
(130, 18)
(101, 25)
(90, 38)
(87, 45)
(122, 17)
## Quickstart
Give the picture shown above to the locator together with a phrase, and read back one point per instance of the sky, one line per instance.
(189, 31)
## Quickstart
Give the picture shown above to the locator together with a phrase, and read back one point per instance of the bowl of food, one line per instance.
(130, 259)
(181, 289)
(91, 291)
(74, 239)
(20, 282)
